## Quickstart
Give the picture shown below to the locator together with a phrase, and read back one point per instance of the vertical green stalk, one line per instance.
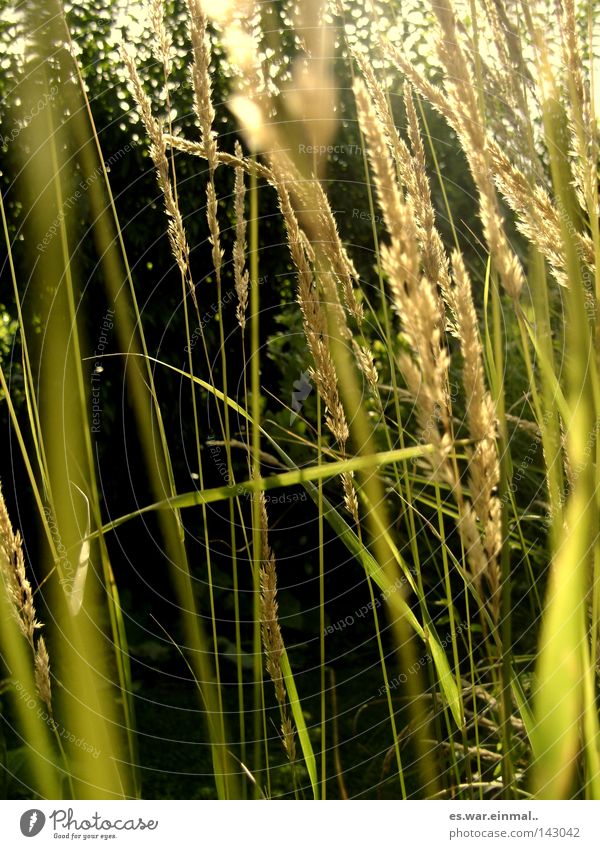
(148, 416)
(256, 526)
(565, 703)
(503, 635)
(322, 678)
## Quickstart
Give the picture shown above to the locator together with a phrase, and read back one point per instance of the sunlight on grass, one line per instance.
(403, 231)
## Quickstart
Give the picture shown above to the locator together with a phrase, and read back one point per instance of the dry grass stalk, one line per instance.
(20, 599)
(162, 38)
(484, 469)
(158, 152)
(201, 80)
(315, 318)
(253, 107)
(580, 112)
(432, 93)
(240, 272)
(16, 582)
(384, 173)
(323, 256)
(426, 371)
(194, 148)
(366, 362)
(380, 104)
(271, 631)
(412, 171)
(315, 326)
(315, 214)
(213, 227)
(506, 76)
(458, 104)
(415, 297)
(470, 125)
(311, 99)
(435, 260)
(334, 268)
(205, 114)
(536, 216)
(42, 673)
(415, 264)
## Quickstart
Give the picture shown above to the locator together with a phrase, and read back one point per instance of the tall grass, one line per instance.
(457, 379)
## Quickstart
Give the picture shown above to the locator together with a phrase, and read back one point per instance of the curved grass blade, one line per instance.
(342, 530)
(296, 708)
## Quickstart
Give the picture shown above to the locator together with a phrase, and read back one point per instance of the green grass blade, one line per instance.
(350, 539)
(306, 745)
